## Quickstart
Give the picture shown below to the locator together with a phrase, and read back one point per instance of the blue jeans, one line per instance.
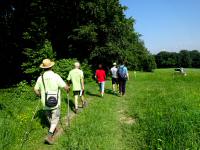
(101, 86)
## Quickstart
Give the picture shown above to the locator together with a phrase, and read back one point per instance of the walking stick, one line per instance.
(68, 118)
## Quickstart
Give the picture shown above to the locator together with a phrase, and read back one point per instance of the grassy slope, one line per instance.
(164, 110)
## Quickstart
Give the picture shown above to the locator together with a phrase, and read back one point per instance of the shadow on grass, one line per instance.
(71, 104)
(92, 94)
(109, 91)
(42, 117)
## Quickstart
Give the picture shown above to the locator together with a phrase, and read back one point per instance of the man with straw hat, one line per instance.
(49, 84)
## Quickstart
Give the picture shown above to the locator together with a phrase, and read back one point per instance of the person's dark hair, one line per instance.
(124, 62)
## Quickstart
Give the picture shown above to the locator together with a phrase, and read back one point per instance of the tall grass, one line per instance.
(17, 111)
(166, 109)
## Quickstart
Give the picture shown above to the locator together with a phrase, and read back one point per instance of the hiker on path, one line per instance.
(115, 84)
(100, 76)
(123, 76)
(50, 83)
(77, 79)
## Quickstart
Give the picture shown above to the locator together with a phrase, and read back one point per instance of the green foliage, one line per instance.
(107, 55)
(8, 133)
(92, 30)
(87, 71)
(63, 66)
(184, 58)
(34, 58)
(149, 63)
(195, 56)
(17, 108)
(85, 33)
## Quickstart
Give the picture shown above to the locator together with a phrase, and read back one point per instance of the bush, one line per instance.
(17, 106)
(149, 64)
(34, 58)
(63, 66)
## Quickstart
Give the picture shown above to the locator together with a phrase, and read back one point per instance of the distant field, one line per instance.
(167, 110)
(161, 110)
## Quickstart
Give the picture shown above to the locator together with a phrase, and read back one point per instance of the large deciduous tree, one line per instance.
(92, 30)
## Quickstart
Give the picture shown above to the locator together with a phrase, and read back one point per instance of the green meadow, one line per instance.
(161, 110)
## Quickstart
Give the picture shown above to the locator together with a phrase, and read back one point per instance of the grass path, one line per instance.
(95, 127)
(158, 112)
(98, 126)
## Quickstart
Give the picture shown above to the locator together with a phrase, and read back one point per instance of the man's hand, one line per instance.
(83, 88)
(37, 92)
(67, 88)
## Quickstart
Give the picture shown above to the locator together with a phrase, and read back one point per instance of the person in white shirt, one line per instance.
(115, 83)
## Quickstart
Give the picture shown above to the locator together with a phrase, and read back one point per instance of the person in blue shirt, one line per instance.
(123, 76)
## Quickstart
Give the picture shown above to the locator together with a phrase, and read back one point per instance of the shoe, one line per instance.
(49, 139)
(55, 131)
(76, 111)
(120, 94)
(84, 104)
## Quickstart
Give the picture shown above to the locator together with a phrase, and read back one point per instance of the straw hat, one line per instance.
(47, 63)
(114, 64)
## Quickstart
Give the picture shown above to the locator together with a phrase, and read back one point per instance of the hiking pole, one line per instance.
(68, 118)
(25, 138)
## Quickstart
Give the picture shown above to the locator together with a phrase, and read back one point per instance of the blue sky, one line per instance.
(170, 25)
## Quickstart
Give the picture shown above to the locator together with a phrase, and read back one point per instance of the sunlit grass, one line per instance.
(167, 110)
(163, 110)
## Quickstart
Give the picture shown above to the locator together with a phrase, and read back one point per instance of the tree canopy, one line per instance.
(95, 31)
(184, 58)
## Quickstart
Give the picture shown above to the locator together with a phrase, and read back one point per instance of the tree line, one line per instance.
(183, 58)
(91, 31)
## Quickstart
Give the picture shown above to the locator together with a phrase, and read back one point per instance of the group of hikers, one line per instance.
(48, 87)
(119, 77)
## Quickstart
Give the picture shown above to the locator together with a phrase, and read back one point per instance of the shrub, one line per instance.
(34, 57)
(63, 66)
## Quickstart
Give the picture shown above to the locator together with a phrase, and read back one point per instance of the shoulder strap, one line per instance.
(43, 82)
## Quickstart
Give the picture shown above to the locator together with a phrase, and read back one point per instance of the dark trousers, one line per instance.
(122, 86)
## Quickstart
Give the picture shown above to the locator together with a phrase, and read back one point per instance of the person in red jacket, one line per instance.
(100, 75)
